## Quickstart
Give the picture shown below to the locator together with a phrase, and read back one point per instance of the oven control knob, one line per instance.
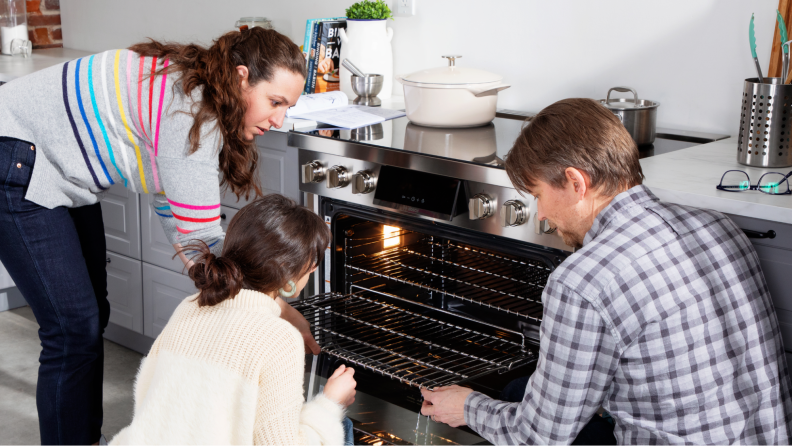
(543, 227)
(312, 172)
(513, 213)
(363, 182)
(337, 177)
(481, 206)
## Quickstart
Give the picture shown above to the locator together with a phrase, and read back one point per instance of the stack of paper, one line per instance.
(333, 109)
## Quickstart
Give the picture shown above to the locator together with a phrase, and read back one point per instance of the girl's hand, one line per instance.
(340, 386)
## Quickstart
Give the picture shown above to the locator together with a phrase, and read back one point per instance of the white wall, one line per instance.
(691, 55)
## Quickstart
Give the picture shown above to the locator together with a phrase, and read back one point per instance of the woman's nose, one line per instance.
(277, 119)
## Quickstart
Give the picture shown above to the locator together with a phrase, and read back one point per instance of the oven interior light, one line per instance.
(390, 236)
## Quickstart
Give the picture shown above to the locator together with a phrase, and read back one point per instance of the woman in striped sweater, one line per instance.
(175, 121)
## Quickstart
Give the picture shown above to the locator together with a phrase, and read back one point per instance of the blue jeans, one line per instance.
(56, 257)
(349, 437)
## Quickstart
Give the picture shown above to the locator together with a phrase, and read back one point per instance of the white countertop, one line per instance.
(689, 177)
(12, 67)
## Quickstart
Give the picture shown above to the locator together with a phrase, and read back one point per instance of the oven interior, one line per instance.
(415, 304)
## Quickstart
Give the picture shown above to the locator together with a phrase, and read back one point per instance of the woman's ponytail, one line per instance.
(217, 278)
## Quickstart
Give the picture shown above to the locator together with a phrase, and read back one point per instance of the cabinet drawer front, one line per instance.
(278, 170)
(121, 215)
(226, 215)
(163, 291)
(125, 291)
(783, 238)
(156, 249)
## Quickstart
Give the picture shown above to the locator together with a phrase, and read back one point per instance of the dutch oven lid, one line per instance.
(452, 75)
(626, 104)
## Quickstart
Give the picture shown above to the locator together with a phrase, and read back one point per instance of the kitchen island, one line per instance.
(689, 177)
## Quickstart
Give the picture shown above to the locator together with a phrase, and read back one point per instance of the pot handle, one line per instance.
(399, 78)
(389, 33)
(477, 92)
(623, 90)
(342, 35)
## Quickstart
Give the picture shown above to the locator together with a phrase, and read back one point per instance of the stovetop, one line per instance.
(486, 145)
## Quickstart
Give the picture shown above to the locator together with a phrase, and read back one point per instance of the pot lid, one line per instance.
(452, 75)
(626, 104)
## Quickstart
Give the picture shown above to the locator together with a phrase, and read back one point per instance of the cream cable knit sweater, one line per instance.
(228, 374)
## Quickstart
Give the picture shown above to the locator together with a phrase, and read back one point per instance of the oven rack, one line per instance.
(362, 437)
(410, 347)
(468, 274)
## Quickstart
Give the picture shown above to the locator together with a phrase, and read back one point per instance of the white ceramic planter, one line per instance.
(367, 43)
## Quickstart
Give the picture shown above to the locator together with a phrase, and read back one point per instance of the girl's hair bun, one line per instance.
(269, 242)
(217, 278)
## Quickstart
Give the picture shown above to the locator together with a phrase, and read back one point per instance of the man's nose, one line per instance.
(540, 215)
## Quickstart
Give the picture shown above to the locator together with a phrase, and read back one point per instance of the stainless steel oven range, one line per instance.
(435, 272)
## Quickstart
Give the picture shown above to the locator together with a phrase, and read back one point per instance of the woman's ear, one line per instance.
(243, 76)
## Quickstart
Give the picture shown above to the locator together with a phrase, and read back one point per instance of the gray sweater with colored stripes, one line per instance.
(104, 120)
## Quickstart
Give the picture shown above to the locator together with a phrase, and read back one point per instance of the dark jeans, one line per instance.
(596, 431)
(56, 257)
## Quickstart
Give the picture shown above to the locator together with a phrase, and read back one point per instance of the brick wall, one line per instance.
(44, 23)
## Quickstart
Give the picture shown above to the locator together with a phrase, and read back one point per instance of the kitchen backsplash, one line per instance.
(690, 56)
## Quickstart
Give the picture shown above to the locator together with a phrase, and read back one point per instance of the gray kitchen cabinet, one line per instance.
(775, 257)
(278, 170)
(163, 291)
(156, 249)
(125, 291)
(226, 214)
(121, 215)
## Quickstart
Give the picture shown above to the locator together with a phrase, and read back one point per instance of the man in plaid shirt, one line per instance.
(661, 317)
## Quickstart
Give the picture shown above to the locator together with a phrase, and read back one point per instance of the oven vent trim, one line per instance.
(407, 359)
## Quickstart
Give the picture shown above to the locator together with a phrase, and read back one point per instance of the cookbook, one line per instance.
(324, 73)
(309, 48)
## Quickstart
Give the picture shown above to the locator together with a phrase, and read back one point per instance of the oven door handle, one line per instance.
(756, 234)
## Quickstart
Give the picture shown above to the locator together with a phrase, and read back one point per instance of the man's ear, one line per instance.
(578, 180)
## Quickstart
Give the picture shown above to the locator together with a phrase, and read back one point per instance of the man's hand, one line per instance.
(292, 316)
(446, 404)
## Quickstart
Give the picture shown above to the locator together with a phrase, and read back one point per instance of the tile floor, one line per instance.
(19, 350)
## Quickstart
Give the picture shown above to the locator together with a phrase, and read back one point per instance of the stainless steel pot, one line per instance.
(639, 116)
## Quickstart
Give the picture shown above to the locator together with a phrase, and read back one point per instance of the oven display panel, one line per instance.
(434, 194)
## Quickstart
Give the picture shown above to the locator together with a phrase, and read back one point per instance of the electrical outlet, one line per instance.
(404, 8)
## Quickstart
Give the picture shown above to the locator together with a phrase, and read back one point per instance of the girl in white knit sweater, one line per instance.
(227, 369)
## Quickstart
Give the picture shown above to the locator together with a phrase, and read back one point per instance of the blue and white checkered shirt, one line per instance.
(664, 319)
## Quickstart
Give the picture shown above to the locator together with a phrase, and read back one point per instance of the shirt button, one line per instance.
(19, 165)
(32, 148)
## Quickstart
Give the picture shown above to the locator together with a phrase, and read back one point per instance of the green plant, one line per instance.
(371, 10)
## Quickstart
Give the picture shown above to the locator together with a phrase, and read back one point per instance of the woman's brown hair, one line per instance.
(263, 52)
(268, 243)
(579, 133)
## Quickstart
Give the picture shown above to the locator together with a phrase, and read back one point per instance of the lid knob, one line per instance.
(451, 59)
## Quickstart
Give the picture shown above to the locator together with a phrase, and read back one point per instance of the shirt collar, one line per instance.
(252, 300)
(636, 195)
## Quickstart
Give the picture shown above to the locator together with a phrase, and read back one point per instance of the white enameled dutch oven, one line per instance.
(451, 96)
